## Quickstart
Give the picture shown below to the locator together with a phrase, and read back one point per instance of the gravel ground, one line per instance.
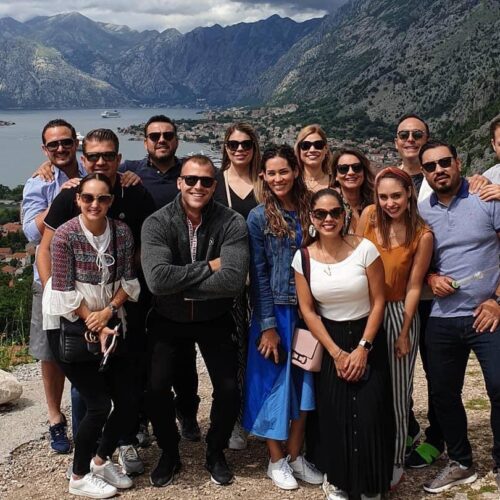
(35, 473)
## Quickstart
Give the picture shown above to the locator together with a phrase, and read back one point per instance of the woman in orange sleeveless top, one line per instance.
(405, 245)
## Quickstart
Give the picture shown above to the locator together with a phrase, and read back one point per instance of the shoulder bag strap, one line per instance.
(228, 193)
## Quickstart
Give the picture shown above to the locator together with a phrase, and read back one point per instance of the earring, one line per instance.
(312, 231)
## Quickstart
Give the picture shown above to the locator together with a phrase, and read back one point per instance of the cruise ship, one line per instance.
(110, 114)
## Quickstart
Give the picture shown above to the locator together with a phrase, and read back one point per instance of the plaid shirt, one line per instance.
(193, 238)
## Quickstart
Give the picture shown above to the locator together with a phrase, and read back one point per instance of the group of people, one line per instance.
(156, 256)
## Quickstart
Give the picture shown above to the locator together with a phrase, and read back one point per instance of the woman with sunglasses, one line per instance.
(92, 276)
(354, 181)
(341, 297)
(277, 394)
(314, 157)
(405, 244)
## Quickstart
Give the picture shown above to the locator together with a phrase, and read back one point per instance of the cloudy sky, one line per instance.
(161, 14)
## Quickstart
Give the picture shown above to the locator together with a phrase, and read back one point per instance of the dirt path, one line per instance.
(34, 473)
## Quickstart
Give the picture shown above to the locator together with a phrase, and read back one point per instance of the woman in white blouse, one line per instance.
(92, 276)
(342, 302)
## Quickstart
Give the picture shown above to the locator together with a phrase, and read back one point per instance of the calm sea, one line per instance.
(20, 151)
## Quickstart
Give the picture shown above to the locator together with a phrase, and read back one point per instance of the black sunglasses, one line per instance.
(404, 135)
(306, 145)
(106, 156)
(155, 136)
(355, 167)
(430, 166)
(54, 145)
(322, 214)
(246, 145)
(192, 180)
(102, 199)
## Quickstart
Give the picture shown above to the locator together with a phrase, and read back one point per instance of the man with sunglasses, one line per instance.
(195, 260)
(59, 145)
(465, 314)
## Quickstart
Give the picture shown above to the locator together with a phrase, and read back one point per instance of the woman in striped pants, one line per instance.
(405, 245)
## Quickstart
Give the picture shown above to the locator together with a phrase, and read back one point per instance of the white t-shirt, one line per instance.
(344, 295)
(493, 174)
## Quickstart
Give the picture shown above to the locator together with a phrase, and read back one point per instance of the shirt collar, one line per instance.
(463, 192)
(61, 177)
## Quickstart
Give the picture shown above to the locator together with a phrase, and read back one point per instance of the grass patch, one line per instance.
(477, 404)
(11, 355)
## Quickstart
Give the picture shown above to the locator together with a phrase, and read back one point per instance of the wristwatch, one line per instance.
(366, 344)
(113, 308)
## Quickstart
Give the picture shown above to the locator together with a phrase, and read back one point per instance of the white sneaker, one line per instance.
(112, 474)
(332, 492)
(238, 439)
(305, 471)
(91, 486)
(397, 476)
(282, 474)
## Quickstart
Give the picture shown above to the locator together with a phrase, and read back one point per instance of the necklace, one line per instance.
(313, 182)
(327, 270)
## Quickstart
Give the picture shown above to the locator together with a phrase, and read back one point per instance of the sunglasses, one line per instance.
(102, 199)
(355, 167)
(246, 145)
(192, 180)
(155, 136)
(321, 214)
(54, 145)
(430, 166)
(106, 156)
(404, 135)
(306, 145)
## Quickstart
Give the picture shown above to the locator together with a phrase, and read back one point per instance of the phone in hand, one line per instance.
(282, 354)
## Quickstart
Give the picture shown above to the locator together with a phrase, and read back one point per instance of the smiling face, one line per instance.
(392, 197)
(240, 158)
(312, 157)
(442, 180)
(331, 225)
(97, 191)
(280, 177)
(63, 156)
(195, 197)
(108, 167)
(409, 148)
(161, 150)
(350, 180)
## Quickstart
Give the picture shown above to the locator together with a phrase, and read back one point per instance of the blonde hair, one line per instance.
(326, 166)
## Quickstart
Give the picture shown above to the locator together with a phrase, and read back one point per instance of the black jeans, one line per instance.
(111, 403)
(449, 343)
(166, 340)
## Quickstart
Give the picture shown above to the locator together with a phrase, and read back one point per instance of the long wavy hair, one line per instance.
(276, 222)
(326, 166)
(413, 221)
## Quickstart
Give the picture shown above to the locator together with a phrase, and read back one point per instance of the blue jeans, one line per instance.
(449, 343)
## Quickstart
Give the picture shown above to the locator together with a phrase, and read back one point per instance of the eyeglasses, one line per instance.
(54, 145)
(246, 145)
(192, 180)
(355, 167)
(321, 214)
(404, 135)
(430, 166)
(102, 199)
(106, 156)
(306, 145)
(155, 136)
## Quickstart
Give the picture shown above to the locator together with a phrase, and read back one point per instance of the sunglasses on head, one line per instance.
(102, 199)
(306, 145)
(430, 166)
(355, 167)
(246, 145)
(322, 214)
(54, 145)
(192, 180)
(404, 135)
(155, 136)
(106, 156)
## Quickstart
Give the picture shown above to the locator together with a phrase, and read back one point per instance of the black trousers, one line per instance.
(166, 343)
(111, 400)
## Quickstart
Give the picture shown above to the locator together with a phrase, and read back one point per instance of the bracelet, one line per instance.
(338, 354)
(113, 308)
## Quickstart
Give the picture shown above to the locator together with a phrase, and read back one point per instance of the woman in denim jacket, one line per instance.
(277, 394)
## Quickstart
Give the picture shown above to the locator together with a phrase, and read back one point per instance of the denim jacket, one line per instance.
(272, 280)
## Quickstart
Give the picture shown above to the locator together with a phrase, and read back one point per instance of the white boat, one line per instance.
(111, 114)
(80, 138)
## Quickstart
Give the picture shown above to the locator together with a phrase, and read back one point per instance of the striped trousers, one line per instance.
(402, 371)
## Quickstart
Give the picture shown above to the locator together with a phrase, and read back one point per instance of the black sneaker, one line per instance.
(166, 469)
(412, 442)
(190, 429)
(423, 455)
(219, 471)
(59, 441)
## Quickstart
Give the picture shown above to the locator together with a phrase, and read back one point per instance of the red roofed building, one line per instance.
(12, 227)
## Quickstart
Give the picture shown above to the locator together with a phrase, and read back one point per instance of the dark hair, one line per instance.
(161, 119)
(200, 160)
(96, 176)
(300, 194)
(58, 122)
(493, 127)
(101, 135)
(436, 144)
(308, 240)
(413, 221)
(314, 129)
(367, 186)
(417, 117)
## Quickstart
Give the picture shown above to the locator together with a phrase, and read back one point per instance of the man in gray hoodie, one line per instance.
(195, 260)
